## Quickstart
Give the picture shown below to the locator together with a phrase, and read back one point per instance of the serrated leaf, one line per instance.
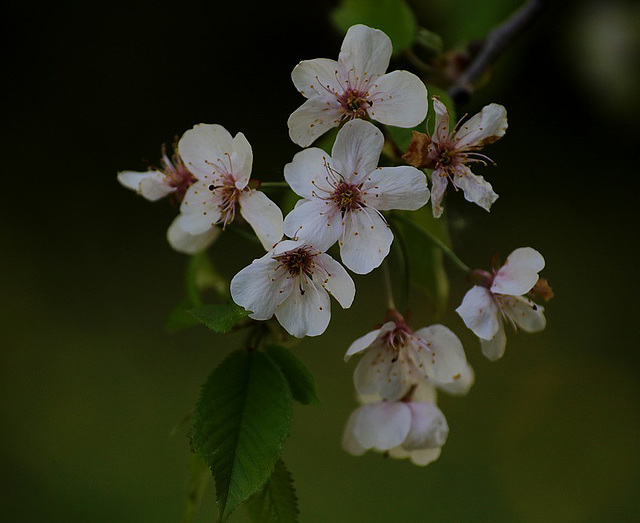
(276, 501)
(241, 421)
(219, 317)
(301, 382)
(394, 17)
(200, 475)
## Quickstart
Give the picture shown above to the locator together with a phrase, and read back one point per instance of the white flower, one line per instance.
(355, 86)
(292, 281)
(172, 178)
(448, 154)
(222, 165)
(187, 243)
(500, 296)
(345, 192)
(398, 359)
(415, 429)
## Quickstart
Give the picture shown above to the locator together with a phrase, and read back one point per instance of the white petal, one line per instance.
(519, 273)
(206, 150)
(441, 129)
(382, 426)
(356, 150)
(366, 240)
(476, 189)
(337, 281)
(461, 385)
(429, 427)
(316, 222)
(366, 52)
(447, 354)
(485, 127)
(188, 243)
(349, 440)
(425, 392)
(367, 340)
(200, 208)
(494, 348)
(523, 312)
(317, 77)
(241, 160)
(399, 98)
(479, 312)
(306, 311)
(254, 288)
(150, 184)
(264, 216)
(379, 372)
(312, 119)
(424, 457)
(402, 187)
(439, 184)
(307, 173)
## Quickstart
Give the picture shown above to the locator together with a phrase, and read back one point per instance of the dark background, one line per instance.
(92, 385)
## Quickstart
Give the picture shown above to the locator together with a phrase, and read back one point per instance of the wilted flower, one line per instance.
(500, 296)
(292, 282)
(355, 86)
(448, 153)
(345, 192)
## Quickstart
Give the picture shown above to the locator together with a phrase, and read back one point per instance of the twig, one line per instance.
(495, 44)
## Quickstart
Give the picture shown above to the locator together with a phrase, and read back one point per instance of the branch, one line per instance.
(496, 43)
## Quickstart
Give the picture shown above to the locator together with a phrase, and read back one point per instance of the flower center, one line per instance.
(230, 195)
(346, 197)
(354, 104)
(298, 261)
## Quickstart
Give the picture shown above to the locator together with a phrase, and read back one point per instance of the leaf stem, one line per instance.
(274, 184)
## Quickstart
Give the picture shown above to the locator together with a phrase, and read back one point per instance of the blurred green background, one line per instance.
(92, 385)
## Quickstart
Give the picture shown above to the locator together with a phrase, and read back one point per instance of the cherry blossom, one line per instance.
(292, 281)
(222, 165)
(396, 359)
(355, 86)
(448, 153)
(344, 193)
(500, 296)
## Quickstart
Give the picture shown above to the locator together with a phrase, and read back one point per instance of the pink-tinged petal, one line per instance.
(475, 188)
(314, 221)
(401, 187)
(399, 99)
(480, 313)
(461, 385)
(494, 348)
(441, 129)
(349, 440)
(264, 216)
(439, 182)
(206, 150)
(307, 174)
(519, 273)
(367, 340)
(446, 352)
(317, 77)
(356, 150)
(382, 426)
(306, 311)
(366, 240)
(523, 312)
(429, 427)
(187, 243)
(377, 373)
(423, 457)
(365, 52)
(255, 288)
(241, 160)
(150, 184)
(485, 127)
(312, 119)
(336, 280)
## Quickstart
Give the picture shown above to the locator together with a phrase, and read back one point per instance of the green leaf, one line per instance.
(276, 501)
(424, 257)
(301, 382)
(179, 318)
(200, 475)
(394, 17)
(220, 317)
(241, 421)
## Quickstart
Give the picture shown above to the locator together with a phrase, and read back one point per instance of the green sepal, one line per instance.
(276, 501)
(219, 317)
(301, 382)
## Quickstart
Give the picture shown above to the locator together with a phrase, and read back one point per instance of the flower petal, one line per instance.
(349, 440)
(317, 77)
(150, 184)
(401, 187)
(337, 280)
(187, 243)
(476, 189)
(399, 98)
(441, 126)
(379, 372)
(446, 353)
(315, 222)
(206, 150)
(439, 182)
(357, 149)
(366, 240)
(367, 340)
(365, 52)
(461, 385)
(494, 348)
(255, 288)
(429, 427)
(488, 126)
(523, 312)
(382, 426)
(423, 457)
(201, 208)
(306, 311)
(312, 119)
(519, 273)
(480, 313)
(307, 173)
(264, 216)
(241, 160)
